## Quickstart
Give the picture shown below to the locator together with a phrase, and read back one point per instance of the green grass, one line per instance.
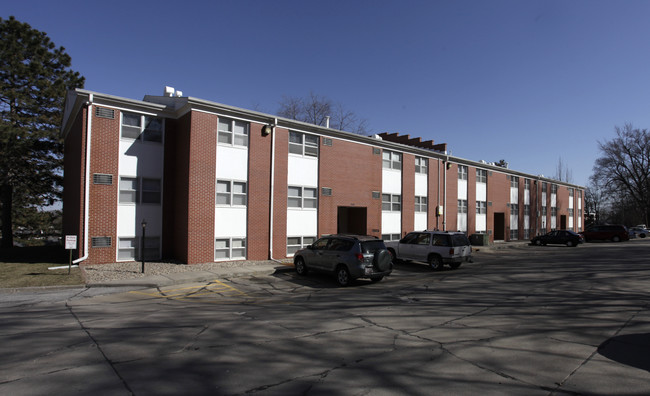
(28, 267)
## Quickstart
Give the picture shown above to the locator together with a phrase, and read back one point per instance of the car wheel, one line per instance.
(376, 279)
(342, 276)
(616, 238)
(569, 243)
(435, 262)
(538, 242)
(301, 268)
(642, 235)
(454, 265)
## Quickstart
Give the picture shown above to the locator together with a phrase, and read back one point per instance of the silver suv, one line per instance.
(347, 256)
(434, 247)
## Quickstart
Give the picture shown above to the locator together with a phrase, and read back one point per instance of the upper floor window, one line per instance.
(462, 206)
(137, 126)
(231, 193)
(421, 204)
(421, 165)
(302, 197)
(481, 176)
(553, 188)
(135, 190)
(303, 144)
(527, 184)
(514, 182)
(232, 132)
(481, 207)
(391, 160)
(544, 188)
(462, 172)
(391, 202)
(570, 193)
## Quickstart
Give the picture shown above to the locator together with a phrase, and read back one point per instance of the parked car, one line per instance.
(614, 233)
(434, 247)
(559, 237)
(347, 256)
(638, 231)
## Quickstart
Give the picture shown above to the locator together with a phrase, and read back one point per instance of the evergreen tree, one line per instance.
(34, 79)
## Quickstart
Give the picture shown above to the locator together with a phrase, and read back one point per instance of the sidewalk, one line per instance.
(168, 274)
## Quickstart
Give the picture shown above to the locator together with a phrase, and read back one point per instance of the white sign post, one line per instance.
(70, 244)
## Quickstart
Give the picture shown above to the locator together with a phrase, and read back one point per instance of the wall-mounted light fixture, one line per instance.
(267, 129)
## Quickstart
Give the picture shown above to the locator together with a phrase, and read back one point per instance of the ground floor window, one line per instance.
(514, 235)
(129, 248)
(229, 248)
(298, 242)
(390, 237)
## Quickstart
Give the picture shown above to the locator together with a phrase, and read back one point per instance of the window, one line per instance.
(570, 212)
(514, 182)
(296, 243)
(421, 165)
(390, 237)
(553, 211)
(231, 193)
(421, 204)
(553, 188)
(127, 249)
(570, 193)
(136, 126)
(232, 132)
(391, 160)
(544, 211)
(151, 191)
(514, 209)
(303, 144)
(391, 202)
(302, 197)
(526, 210)
(527, 184)
(462, 172)
(462, 206)
(514, 235)
(128, 190)
(544, 188)
(481, 207)
(481, 176)
(131, 193)
(229, 248)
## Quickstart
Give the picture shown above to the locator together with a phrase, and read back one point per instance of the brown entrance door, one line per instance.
(499, 226)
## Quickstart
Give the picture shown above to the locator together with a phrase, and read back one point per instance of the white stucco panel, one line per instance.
(462, 189)
(420, 221)
(391, 223)
(481, 191)
(391, 181)
(481, 222)
(141, 159)
(421, 185)
(129, 220)
(230, 222)
(302, 222)
(232, 163)
(302, 171)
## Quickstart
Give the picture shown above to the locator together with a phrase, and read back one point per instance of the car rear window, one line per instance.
(372, 246)
(459, 240)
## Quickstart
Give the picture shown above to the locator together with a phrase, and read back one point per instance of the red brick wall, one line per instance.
(280, 193)
(452, 198)
(353, 172)
(259, 187)
(498, 193)
(201, 188)
(435, 193)
(104, 152)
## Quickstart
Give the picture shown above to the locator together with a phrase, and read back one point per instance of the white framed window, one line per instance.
(481, 176)
(553, 188)
(137, 126)
(298, 242)
(481, 207)
(421, 204)
(514, 209)
(462, 206)
(129, 248)
(391, 202)
(229, 248)
(514, 235)
(232, 132)
(129, 188)
(302, 197)
(134, 190)
(231, 193)
(462, 172)
(391, 160)
(526, 210)
(514, 182)
(526, 184)
(151, 191)
(421, 165)
(390, 237)
(303, 144)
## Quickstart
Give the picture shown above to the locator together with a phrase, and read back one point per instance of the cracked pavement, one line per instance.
(534, 321)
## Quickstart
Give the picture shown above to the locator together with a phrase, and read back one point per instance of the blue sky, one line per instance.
(526, 81)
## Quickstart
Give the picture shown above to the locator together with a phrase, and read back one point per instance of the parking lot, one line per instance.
(547, 320)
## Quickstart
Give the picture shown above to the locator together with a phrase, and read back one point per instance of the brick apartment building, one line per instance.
(218, 183)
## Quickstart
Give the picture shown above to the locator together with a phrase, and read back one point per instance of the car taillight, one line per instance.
(451, 251)
(359, 257)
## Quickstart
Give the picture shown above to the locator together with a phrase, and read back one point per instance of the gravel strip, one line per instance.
(98, 273)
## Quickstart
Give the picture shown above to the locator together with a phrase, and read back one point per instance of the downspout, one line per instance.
(444, 210)
(438, 200)
(271, 218)
(89, 121)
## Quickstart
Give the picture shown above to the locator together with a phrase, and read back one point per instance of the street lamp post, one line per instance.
(144, 227)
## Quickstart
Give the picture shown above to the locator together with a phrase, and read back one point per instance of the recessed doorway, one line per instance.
(352, 220)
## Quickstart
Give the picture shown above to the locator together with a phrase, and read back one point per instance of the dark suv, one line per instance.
(614, 233)
(347, 256)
